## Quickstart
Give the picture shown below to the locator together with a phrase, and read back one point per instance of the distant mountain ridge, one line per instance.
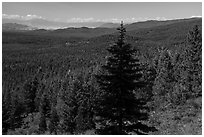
(148, 30)
(83, 32)
(109, 25)
(154, 23)
(145, 37)
(170, 29)
(166, 33)
(16, 27)
(46, 24)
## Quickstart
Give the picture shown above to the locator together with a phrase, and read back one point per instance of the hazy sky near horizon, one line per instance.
(90, 11)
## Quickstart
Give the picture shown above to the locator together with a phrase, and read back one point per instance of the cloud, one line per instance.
(160, 18)
(11, 16)
(75, 20)
(113, 20)
(27, 17)
(81, 20)
(196, 16)
(133, 19)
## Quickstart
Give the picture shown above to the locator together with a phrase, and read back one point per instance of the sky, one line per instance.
(107, 12)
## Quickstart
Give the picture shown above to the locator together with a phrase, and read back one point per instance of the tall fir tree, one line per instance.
(44, 112)
(69, 97)
(42, 124)
(84, 118)
(119, 110)
(164, 81)
(193, 63)
(6, 111)
(13, 109)
(30, 91)
(54, 121)
(77, 108)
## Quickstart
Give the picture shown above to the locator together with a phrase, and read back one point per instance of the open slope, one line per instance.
(172, 32)
(155, 23)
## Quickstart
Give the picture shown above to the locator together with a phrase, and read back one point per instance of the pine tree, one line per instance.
(6, 111)
(149, 75)
(69, 96)
(77, 110)
(54, 121)
(42, 124)
(17, 111)
(164, 82)
(30, 88)
(84, 118)
(13, 110)
(44, 112)
(193, 63)
(119, 111)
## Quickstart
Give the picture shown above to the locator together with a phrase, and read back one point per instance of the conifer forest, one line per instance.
(131, 79)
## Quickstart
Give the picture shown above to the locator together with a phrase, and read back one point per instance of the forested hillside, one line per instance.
(145, 80)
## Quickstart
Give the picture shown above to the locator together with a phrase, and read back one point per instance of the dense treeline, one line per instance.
(130, 93)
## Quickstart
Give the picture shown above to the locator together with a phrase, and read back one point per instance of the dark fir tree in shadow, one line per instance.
(164, 81)
(77, 109)
(193, 62)
(44, 112)
(30, 88)
(6, 111)
(69, 107)
(119, 111)
(54, 121)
